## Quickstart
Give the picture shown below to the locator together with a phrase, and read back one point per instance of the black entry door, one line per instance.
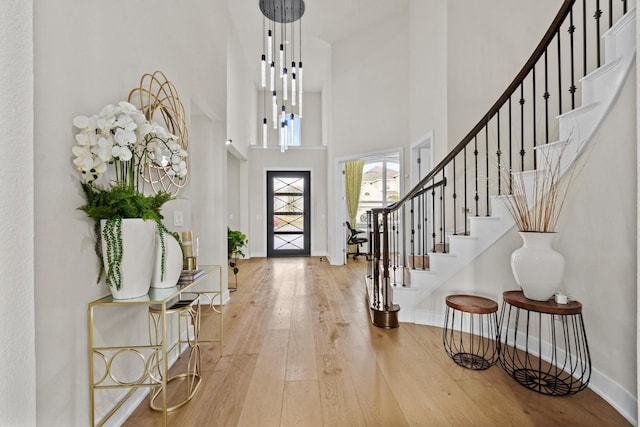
(288, 213)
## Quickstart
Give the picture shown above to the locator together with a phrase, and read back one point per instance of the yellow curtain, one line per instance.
(353, 183)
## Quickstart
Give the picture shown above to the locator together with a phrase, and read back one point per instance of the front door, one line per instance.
(288, 213)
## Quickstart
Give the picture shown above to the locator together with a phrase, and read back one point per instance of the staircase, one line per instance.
(409, 262)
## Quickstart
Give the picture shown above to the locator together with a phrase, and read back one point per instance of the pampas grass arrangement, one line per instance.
(537, 198)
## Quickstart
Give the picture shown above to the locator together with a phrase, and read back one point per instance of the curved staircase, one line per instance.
(391, 283)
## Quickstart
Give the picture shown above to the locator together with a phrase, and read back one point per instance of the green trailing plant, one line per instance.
(236, 240)
(112, 205)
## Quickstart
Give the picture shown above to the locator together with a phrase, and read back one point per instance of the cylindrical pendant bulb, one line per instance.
(270, 47)
(263, 71)
(293, 89)
(272, 83)
(293, 130)
(264, 132)
(274, 109)
(285, 84)
(281, 59)
(300, 81)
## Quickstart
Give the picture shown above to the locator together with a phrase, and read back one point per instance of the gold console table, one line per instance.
(151, 355)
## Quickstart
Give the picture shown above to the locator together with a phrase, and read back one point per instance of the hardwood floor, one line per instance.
(300, 350)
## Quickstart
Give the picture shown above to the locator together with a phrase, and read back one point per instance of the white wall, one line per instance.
(597, 238)
(487, 44)
(17, 353)
(370, 88)
(637, 215)
(302, 159)
(241, 100)
(369, 104)
(88, 54)
(233, 192)
(428, 72)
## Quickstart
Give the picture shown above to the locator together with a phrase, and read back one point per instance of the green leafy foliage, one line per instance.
(114, 204)
(122, 201)
(236, 240)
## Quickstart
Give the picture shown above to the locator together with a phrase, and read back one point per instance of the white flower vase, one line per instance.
(172, 263)
(537, 267)
(138, 252)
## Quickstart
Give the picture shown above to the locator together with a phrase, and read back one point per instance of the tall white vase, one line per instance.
(172, 263)
(537, 267)
(138, 254)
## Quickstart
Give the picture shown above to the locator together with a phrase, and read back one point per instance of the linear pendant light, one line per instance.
(285, 84)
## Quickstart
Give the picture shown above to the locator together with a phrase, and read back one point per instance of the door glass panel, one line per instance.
(288, 212)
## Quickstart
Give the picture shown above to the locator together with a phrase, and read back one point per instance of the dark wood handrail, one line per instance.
(517, 81)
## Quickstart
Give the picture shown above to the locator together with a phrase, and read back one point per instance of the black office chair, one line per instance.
(355, 239)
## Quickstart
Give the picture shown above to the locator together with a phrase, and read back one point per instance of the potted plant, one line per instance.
(113, 147)
(236, 240)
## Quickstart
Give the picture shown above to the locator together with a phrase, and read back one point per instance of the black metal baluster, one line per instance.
(443, 212)
(546, 97)
(498, 154)
(584, 38)
(425, 224)
(534, 123)
(412, 241)
(559, 74)
(395, 245)
(624, 6)
(510, 145)
(455, 195)
(466, 206)
(475, 153)
(597, 15)
(486, 158)
(433, 213)
(610, 13)
(522, 151)
(572, 89)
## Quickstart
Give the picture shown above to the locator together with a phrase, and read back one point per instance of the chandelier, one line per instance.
(279, 48)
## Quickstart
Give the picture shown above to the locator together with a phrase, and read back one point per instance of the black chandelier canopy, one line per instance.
(282, 11)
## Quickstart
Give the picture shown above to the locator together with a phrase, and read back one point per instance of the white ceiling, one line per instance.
(324, 22)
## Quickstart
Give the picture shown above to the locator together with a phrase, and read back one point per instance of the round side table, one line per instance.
(543, 345)
(470, 331)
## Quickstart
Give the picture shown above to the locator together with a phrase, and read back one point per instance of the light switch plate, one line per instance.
(178, 219)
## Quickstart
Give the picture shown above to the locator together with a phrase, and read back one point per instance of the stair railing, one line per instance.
(503, 141)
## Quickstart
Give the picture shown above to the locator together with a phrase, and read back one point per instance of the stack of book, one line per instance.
(188, 276)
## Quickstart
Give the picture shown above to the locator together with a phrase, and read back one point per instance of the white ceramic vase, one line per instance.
(537, 267)
(138, 253)
(172, 263)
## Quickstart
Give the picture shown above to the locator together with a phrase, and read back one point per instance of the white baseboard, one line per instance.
(621, 400)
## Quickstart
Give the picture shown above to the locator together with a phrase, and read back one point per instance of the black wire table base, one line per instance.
(545, 383)
(543, 345)
(472, 361)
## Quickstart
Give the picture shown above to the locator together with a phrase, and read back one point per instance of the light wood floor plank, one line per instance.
(262, 405)
(300, 350)
(301, 406)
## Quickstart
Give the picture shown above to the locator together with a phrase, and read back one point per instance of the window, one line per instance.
(380, 185)
(294, 140)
